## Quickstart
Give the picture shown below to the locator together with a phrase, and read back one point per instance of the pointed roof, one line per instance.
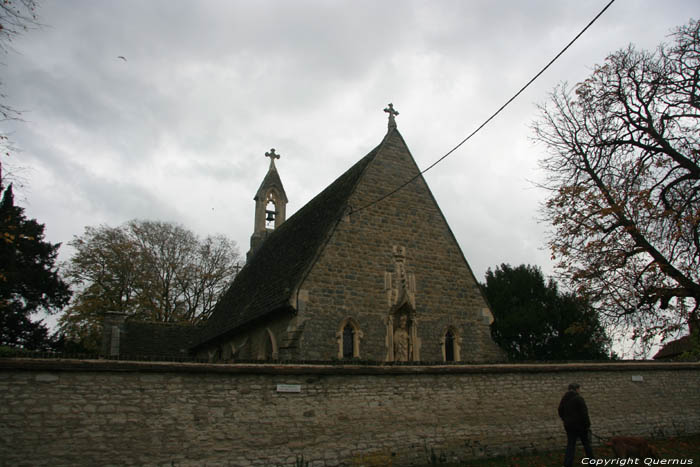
(267, 283)
(271, 180)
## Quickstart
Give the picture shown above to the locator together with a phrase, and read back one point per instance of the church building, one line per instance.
(363, 271)
(359, 272)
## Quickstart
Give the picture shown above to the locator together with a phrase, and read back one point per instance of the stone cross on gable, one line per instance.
(392, 113)
(272, 154)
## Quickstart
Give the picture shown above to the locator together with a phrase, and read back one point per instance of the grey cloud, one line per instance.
(209, 86)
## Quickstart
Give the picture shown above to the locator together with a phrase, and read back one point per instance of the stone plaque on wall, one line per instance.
(289, 388)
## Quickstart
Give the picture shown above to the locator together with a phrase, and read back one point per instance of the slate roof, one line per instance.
(266, 283)
(168, 340)
(674, 349)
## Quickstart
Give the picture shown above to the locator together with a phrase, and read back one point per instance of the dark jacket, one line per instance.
(574, 413)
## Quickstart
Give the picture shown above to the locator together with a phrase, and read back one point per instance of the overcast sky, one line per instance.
(178, 130)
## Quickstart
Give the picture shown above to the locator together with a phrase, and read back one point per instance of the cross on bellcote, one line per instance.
(392, 113)
(272, 155)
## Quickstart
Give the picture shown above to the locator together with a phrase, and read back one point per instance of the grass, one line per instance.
(683, 448)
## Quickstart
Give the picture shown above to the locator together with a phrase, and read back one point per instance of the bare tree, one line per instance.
(16, 17)
(153, 271)
(212, 264)
(623, 176)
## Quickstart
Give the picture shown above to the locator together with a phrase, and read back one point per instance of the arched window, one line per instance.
(451, 345)
(348, 337)
(348, 341)
(270, 213)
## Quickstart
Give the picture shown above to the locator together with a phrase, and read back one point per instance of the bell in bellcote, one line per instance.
(270, 216)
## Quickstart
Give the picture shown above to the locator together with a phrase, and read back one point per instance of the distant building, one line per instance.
(676, 349)
(354, 274)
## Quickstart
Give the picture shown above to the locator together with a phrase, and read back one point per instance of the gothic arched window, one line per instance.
(348, 337)
(348, 341)
(449, 347)
(270, 212)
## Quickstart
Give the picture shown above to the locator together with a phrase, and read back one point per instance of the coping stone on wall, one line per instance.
(73, 365)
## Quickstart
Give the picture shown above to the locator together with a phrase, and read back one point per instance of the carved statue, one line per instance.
(401, 341)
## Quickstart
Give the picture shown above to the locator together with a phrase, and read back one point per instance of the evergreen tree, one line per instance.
(29, 281)
(533, 320)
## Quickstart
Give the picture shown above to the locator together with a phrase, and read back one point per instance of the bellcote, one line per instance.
(272, 182)
(270, 205)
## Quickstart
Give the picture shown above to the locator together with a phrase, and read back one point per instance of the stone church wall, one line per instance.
(357, 271)
(70, 412)
(264, 340)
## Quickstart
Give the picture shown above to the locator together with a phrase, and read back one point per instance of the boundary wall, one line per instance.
(104, 412)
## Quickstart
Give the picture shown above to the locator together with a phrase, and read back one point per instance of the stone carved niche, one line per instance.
(402, 342)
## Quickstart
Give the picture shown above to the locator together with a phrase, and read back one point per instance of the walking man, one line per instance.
(574, 414)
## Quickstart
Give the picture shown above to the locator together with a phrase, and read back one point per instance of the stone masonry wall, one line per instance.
(349, 277)
(71, 412)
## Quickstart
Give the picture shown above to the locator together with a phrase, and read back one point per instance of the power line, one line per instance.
(486, 122)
